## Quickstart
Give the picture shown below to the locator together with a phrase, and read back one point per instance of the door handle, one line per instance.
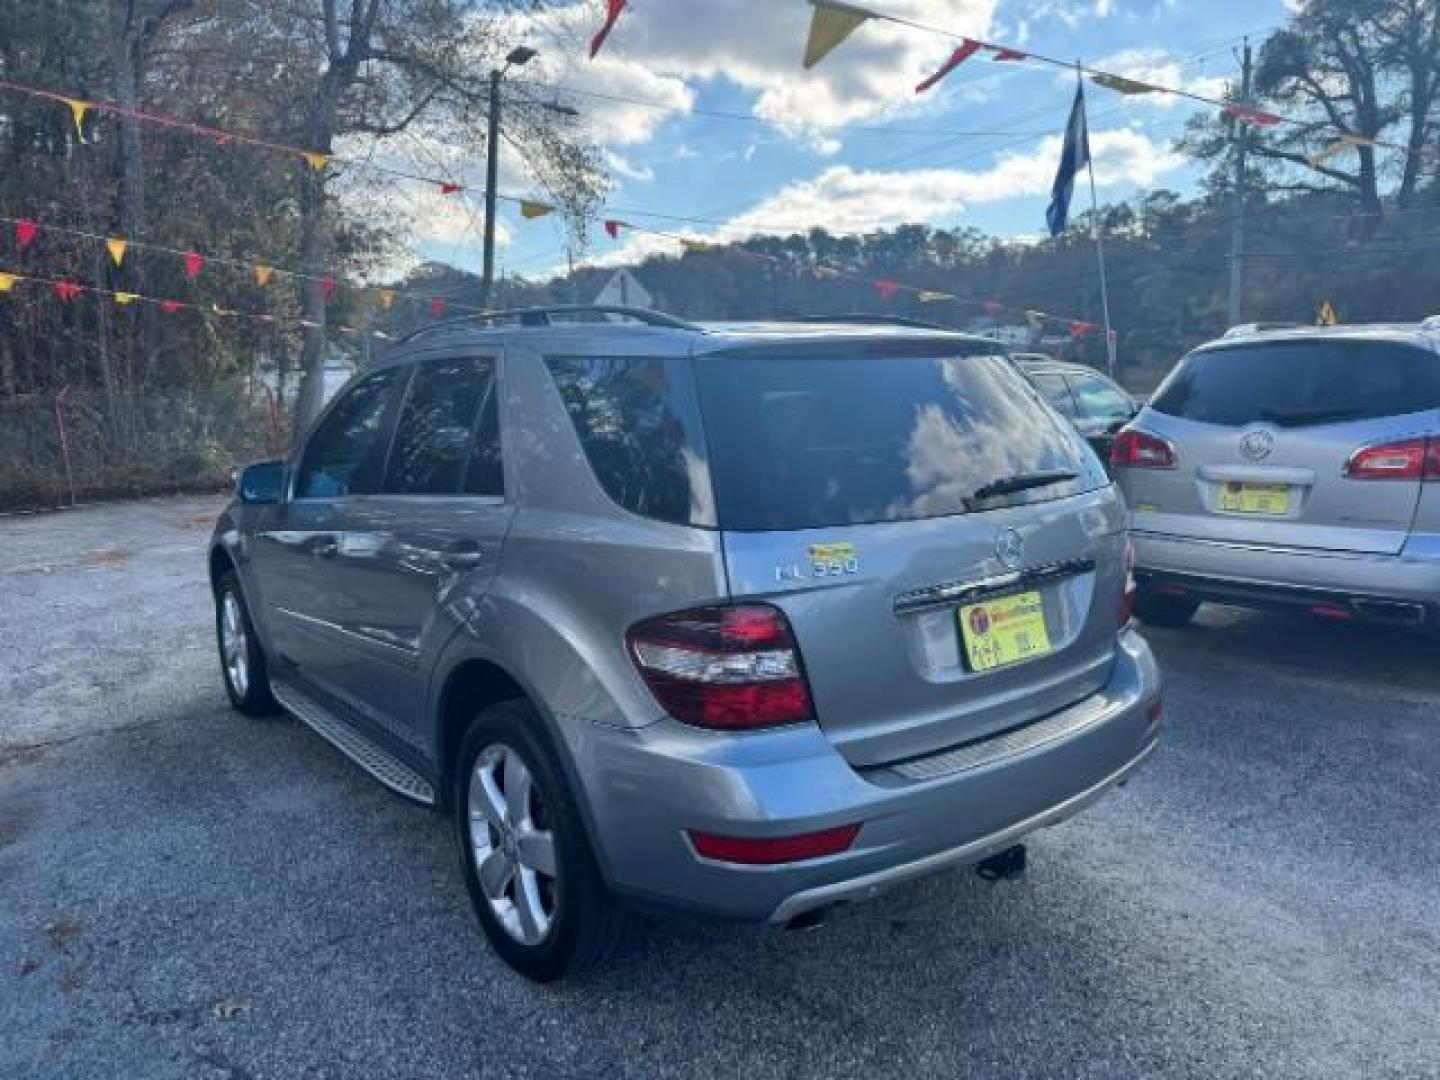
(324, 547)
(465, 555)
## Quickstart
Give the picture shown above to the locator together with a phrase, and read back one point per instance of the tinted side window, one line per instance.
(1056, 392)
(640, 428)
(346, 454)
(1099, 400)
(437, 425)
(1292, 383)
(486, 477)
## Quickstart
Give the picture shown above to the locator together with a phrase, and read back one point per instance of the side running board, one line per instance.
(373, 758)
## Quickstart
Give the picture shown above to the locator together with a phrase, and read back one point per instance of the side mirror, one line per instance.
(261, 483)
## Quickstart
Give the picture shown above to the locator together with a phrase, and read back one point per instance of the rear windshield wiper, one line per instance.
(1009, 485)
(1291, 417)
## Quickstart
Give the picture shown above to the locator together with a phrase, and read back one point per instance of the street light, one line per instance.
(521, 54)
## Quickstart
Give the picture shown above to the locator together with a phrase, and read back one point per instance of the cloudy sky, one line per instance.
(705, 114)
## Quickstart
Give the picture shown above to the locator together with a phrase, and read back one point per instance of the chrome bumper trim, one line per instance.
(869, 885)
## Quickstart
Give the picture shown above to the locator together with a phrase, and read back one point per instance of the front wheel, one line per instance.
(1164, 609)
(242, 663)
(528, 866)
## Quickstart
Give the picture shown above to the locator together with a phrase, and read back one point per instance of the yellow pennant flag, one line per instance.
(929, 297)
(1339, 146)
(7, 282)
(78, 109)
(534, 209)
(262, 274)
(316, 161)
(116, 247)
(696, 246)
(123, 298)
(385, 298)
(831, 22)
(1122, 85)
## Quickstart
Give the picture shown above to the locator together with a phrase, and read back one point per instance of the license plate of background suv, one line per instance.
(1240, 497)
(1006, 630)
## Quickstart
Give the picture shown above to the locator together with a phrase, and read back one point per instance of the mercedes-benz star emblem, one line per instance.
(1256, 445)
(1009, 548)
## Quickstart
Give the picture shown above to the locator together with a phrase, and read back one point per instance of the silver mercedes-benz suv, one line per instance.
(1291, 468)
(747, 620)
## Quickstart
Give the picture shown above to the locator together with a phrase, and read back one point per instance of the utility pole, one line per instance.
(1237, 225)
(521, 54)
(492, 168)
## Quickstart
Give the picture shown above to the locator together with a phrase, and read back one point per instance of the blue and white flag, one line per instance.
(1074, 157)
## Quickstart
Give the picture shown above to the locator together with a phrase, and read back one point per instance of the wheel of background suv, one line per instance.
(241, 662)
(528, 864)
(1162, 609)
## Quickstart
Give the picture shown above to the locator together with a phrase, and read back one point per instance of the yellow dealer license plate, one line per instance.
(1004, 631)
(1239, 497)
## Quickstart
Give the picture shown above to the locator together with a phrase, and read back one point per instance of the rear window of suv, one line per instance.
(1297, 383)
(804, 442)
(800, 442)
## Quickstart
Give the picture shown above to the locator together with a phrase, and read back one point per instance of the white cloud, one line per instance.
(623, 167)
(659, 49)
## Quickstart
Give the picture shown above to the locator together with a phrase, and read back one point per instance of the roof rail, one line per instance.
(1245, 329)
(865, 318)
(541, 316)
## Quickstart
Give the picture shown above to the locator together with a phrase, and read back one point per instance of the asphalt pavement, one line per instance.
(188, 893)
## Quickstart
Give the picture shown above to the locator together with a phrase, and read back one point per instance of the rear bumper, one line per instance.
(1401, 588)
(647, 788)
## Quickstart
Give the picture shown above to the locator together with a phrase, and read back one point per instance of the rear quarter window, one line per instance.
(638, 424)
(1295, 383)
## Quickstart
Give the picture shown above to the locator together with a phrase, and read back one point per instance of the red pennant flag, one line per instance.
(1002, 53)
(437, 308)
(1079, 328)
(886, 288)
(1251, 115)
(993, 307)
(66, 290)
(170, 307)
(612, 13)
(25, 231)
(327, 286)
(194, 263)
(612, 228)
(968, 48)
(447, 188)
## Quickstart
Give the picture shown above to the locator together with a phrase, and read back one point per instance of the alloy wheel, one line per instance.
(513, 846)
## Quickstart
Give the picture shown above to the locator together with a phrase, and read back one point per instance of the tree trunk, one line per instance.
(314, 236)
(125, 53)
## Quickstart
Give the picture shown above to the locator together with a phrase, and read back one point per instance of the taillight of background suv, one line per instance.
(1135, 449)
(1404, 459)
(733, 667)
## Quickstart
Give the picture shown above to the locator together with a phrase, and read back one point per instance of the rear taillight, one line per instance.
(733, 667)
(1134, 449)
(1405, 459)
(1126, 615)
(762, 851)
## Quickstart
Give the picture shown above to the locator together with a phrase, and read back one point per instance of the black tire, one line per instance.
(587, 922)
(1163, 609)
(253, 698)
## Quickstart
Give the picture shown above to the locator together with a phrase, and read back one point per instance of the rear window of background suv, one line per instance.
(801, 442)
(1299, 383)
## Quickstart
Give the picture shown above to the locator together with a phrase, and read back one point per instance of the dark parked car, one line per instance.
(1096, 405)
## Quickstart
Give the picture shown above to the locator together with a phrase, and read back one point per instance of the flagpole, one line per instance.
(1099, 246)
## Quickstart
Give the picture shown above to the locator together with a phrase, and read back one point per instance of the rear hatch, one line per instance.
(846, 483)
(1264, 433)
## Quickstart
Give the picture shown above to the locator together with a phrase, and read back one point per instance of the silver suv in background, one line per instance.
(748, 620)
(1291, 468)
